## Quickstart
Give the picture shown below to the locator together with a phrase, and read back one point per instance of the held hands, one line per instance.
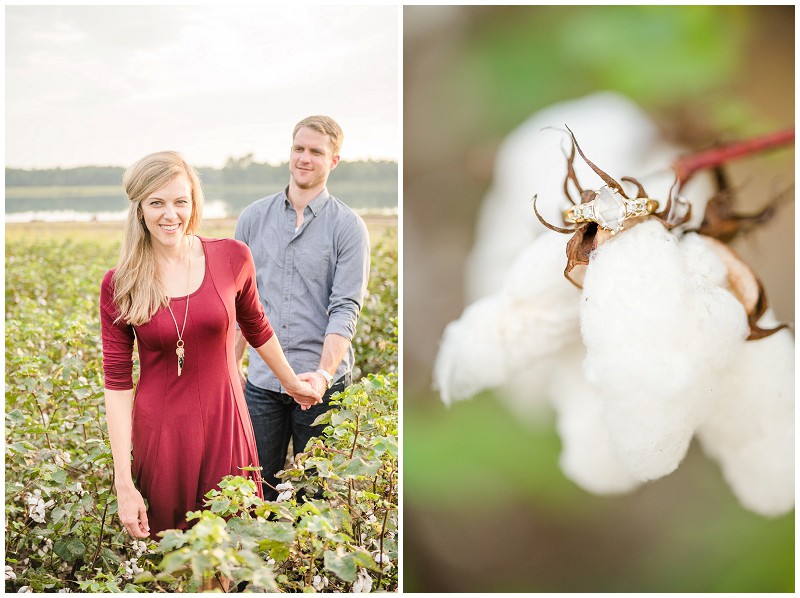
(310, 391)
(132, 512)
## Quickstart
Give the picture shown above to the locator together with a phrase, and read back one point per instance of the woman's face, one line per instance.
(167, 212)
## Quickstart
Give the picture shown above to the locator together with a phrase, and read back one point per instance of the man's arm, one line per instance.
(334, 349)
(347, 297)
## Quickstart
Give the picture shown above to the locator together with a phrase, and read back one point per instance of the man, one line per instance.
(312, 266)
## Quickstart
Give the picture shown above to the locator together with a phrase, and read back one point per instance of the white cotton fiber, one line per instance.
(587, 455)
(612, 131)
(533, 315)
(751, 431)
(472, 354)
(705, 263)
(653, 327)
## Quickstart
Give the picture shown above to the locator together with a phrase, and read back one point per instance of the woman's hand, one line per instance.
(132, 512)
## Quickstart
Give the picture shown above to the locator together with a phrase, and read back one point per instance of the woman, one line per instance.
(179, 296)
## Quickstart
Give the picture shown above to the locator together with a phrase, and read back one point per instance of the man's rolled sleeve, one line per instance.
(350, 280)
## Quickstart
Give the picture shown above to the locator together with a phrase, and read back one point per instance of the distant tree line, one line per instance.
(242, 170)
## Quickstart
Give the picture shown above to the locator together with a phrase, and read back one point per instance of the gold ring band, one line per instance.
(609, 209)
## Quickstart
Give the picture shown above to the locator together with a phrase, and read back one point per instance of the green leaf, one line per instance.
(325, 418)
(172, 539)
(362, 558)
(59, 476)
(324, 468)
(176, 560)
(15, 418)
(110, 556)
(81, 393)
(386, 444)
(57, 514)
(145, 577)
(280, 532)
(265, 579)
(358, 467)
(21, 447)
(375, 382)
(342, 416)
(112, 586)
(132, 588)
(69, 550)
(220, 505)
(342, 565)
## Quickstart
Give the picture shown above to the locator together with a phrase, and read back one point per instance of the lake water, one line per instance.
(65, 205)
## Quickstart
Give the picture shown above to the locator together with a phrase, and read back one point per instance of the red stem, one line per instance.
(686, 166)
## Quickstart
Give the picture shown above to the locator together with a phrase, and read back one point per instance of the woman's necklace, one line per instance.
(179, 351)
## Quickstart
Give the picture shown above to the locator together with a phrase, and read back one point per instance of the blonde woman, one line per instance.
(179, 296)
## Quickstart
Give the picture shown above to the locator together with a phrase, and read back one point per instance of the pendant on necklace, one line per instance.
(179, 352)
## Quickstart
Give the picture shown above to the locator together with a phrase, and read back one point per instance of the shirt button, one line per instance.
(284, 326)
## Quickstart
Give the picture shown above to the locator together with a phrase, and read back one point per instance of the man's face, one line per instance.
(311, 159)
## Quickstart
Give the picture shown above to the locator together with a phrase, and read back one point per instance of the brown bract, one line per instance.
(720, 225)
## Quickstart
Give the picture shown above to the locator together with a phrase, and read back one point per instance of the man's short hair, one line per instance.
(325, 125)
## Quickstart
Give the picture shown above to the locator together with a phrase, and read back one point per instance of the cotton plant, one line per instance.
(285, 491)
(363, 582)
(642, 331)
(38, 506)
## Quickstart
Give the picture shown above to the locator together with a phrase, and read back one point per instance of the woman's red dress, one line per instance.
(189, 431)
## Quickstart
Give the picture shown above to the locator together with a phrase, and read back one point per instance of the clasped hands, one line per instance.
(310, 392)
(313, 387)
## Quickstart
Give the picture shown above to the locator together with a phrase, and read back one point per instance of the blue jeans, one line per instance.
(277, 418)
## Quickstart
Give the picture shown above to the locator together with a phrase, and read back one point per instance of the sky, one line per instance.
(106, 85)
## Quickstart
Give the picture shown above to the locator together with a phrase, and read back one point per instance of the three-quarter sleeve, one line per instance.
(253, 322)
(117, 340)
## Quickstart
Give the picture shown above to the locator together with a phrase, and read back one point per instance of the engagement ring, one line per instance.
(609, 209)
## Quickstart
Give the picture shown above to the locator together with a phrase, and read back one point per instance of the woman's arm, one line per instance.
(130, 504)
(297, 387)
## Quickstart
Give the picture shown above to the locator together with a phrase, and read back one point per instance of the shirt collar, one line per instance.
(315, 205)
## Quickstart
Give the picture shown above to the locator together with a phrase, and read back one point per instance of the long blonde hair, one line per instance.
(138, 290)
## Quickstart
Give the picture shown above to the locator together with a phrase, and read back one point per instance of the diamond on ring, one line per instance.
(609, 209)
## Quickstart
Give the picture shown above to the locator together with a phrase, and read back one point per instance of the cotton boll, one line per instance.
(751, 431)
(532, 316)
(471, 355)
(705, 263)
(612, 131)
(650, 437)
(655, 329)
(525, 393)
(635, 299)
(720, 318)
(587, 456)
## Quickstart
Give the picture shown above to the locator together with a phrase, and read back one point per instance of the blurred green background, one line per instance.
(485, 506)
